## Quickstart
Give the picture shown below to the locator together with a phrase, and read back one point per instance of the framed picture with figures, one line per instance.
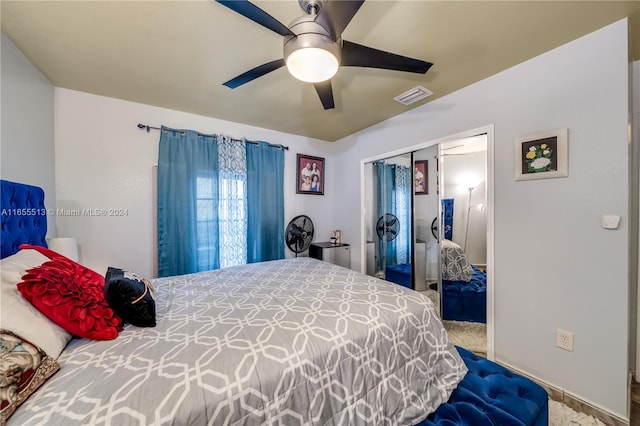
(421, 177)
(310, 175)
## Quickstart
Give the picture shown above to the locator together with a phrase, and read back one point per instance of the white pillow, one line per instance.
(20, 316)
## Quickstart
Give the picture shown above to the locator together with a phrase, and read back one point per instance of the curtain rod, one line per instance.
(148, 129)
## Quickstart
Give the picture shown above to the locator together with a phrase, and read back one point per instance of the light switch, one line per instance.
(610, 221)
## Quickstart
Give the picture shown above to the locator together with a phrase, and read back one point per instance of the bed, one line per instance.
(464, 286)
(294, 341)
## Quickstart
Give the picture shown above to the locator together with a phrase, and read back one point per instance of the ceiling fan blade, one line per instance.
(254, 73)
(257, 15)
(326, 94)
(357, 55)
(335, 15)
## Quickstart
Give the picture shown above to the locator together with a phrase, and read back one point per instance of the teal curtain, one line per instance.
(220, 202)
(394, 197)
(265, 195)
(402, 194)
(187, 203)
(385, 177)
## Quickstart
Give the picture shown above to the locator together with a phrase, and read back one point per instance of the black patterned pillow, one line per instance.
(23, 369)
(129, 295)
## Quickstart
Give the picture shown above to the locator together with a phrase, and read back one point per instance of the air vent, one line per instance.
(414, 95)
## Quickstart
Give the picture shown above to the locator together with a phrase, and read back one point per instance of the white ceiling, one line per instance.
(177, 54)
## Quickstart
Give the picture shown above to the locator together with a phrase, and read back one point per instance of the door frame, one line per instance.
(490, 182)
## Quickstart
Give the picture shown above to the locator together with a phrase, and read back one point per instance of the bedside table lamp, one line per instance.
(65, 246)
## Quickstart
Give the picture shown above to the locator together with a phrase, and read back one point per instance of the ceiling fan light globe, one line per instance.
(312, 64)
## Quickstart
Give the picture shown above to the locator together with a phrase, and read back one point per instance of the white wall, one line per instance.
(425, 209)
(555, 267)
(26, 138)
(455, 171)
(104, 161)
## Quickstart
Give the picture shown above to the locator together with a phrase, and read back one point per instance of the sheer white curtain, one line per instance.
(232, 207)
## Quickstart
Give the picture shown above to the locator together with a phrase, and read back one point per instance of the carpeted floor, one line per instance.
(469, 335)
(473, 336)
(562, 415)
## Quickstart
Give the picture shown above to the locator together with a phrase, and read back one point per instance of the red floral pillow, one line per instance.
(71, 296)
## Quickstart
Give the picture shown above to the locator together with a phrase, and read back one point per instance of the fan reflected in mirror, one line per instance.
(388, 227)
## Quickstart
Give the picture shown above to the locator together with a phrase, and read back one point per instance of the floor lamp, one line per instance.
(466, 232)
(479, 207)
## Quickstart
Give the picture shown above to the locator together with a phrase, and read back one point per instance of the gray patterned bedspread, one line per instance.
(455, 265)
(289, 342)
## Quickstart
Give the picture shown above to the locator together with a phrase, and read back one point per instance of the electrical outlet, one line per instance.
(564, 340)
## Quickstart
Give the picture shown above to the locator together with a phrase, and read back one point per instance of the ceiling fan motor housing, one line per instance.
(309, 34)
(311, 7)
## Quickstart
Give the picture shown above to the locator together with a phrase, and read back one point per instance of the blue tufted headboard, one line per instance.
(23, 216)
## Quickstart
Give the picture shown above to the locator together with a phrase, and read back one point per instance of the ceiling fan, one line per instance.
(313, 47)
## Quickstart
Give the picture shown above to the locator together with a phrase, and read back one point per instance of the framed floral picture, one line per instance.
(310, 175)
(542, 156)
(421, 177)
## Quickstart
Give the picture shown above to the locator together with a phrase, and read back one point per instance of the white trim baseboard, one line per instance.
(572, 401)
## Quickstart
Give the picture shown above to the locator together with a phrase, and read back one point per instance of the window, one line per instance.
(211, 208)
(231, 223)
(232, 216)
(205, 222)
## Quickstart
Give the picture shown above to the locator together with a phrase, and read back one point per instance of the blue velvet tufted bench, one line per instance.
(399, 274)
(492, 395)
(465, 301)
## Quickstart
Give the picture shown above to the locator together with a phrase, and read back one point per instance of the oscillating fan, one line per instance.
(388, 227)
(434, 229)
(299, 234)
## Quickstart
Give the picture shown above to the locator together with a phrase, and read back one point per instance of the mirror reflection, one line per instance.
(426, 227)
(389, 193)
(426, 198)
(464, 243)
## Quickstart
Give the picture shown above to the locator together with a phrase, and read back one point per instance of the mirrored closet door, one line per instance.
(389, 186)
(446, 254)
(426, 224)
(464, 243)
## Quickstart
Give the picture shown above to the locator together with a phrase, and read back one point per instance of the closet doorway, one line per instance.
(463, 247)
(451, 219)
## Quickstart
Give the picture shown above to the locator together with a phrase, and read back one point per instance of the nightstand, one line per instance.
(338, 254)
